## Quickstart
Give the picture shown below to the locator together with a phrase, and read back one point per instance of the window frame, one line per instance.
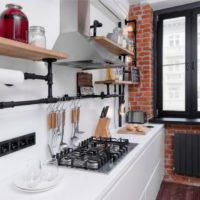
(190, 12)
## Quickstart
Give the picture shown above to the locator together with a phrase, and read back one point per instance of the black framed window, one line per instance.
(177, 61)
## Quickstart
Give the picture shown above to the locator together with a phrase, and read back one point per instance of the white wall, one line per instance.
(22, 120)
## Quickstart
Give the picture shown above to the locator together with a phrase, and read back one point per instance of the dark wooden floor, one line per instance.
(173, 191)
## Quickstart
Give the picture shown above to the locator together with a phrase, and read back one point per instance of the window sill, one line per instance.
(173, 120)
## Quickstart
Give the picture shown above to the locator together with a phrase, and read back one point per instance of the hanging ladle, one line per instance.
(78, 120)
(63, 145)
(75, 140)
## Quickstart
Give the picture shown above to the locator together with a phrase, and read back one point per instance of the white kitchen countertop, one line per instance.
(79, 184)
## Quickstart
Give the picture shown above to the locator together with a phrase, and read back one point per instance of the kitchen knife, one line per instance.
(102, 112)
(106, 111)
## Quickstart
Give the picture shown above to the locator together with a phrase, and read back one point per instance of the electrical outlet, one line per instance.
(31, 139)
(4, 148)
(22, 142)
(16, 144)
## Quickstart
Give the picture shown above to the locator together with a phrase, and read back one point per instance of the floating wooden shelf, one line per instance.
(115, 82)
(112, 46)
(16, 49)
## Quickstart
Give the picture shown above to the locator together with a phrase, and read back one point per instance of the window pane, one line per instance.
(174, 64)
(198, 61)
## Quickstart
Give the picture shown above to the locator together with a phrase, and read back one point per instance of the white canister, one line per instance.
(37, 36)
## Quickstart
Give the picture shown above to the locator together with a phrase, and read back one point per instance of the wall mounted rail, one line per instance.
(12, 104)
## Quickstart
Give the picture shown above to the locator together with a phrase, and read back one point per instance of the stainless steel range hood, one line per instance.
(75, 40)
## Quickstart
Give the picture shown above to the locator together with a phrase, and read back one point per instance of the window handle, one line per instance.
(187, 66)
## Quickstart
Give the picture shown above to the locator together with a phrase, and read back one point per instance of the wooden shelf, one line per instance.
(112, 46)
(116, 82)
(16, 49)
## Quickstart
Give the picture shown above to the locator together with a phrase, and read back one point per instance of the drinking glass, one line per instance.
(33, 173)
(50, 169)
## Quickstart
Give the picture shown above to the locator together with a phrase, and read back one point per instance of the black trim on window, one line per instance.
(190, 12)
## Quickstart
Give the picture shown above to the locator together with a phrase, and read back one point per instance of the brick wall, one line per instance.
(141, 96)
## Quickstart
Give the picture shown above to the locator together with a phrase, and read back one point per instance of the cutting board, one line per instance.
(125, 131)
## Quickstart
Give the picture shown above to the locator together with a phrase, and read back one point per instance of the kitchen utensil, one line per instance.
(14, 24)
(63, 145)
(106, 111)
(75, 140)
(50, 126)
(78, 120)
(58, 121)
(54, 125)
(102, 112)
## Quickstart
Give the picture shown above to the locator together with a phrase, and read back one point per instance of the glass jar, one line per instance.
(119, 74)
(117, 35)
(119, 38)
(14, 24)
(37, 36)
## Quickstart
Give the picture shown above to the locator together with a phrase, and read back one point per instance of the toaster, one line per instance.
(139, 117)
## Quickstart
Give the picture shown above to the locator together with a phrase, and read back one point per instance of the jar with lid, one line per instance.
(117, 35)
(125, 39)
(14, 23)
(37, 36)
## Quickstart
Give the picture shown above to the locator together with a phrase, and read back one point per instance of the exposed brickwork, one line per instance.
(141, 96)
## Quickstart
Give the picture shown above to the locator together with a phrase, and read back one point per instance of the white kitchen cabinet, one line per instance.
(143, 178)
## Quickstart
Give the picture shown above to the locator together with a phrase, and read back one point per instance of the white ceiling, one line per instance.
(161, 4)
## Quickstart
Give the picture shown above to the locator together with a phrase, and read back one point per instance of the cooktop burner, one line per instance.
(98, 154)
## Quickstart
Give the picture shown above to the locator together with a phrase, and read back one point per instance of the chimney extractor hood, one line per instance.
(75, 40)
(119, 7)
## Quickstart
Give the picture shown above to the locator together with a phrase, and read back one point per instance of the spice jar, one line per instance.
(14, 24)
(37, 36)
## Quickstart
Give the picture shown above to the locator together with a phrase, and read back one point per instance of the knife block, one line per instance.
(102, 129)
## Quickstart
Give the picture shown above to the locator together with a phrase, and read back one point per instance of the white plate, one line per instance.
(43, 186)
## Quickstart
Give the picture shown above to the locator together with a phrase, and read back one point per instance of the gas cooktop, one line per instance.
(97, 154)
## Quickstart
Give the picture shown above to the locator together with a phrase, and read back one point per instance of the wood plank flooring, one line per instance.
(173, 191)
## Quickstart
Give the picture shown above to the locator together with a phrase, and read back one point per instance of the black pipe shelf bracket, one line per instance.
(50, 99)
(96, 24)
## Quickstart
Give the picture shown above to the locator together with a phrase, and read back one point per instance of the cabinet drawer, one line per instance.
(133, 183)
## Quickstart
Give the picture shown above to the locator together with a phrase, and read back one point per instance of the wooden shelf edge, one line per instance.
(17, 49)
(115, 82)
(112, 46)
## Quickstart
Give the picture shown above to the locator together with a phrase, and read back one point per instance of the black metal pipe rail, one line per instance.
(12, 104)
(35, 76)
(50, 99)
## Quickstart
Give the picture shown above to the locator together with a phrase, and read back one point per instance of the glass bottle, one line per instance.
(130, 45)
(14, 24)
